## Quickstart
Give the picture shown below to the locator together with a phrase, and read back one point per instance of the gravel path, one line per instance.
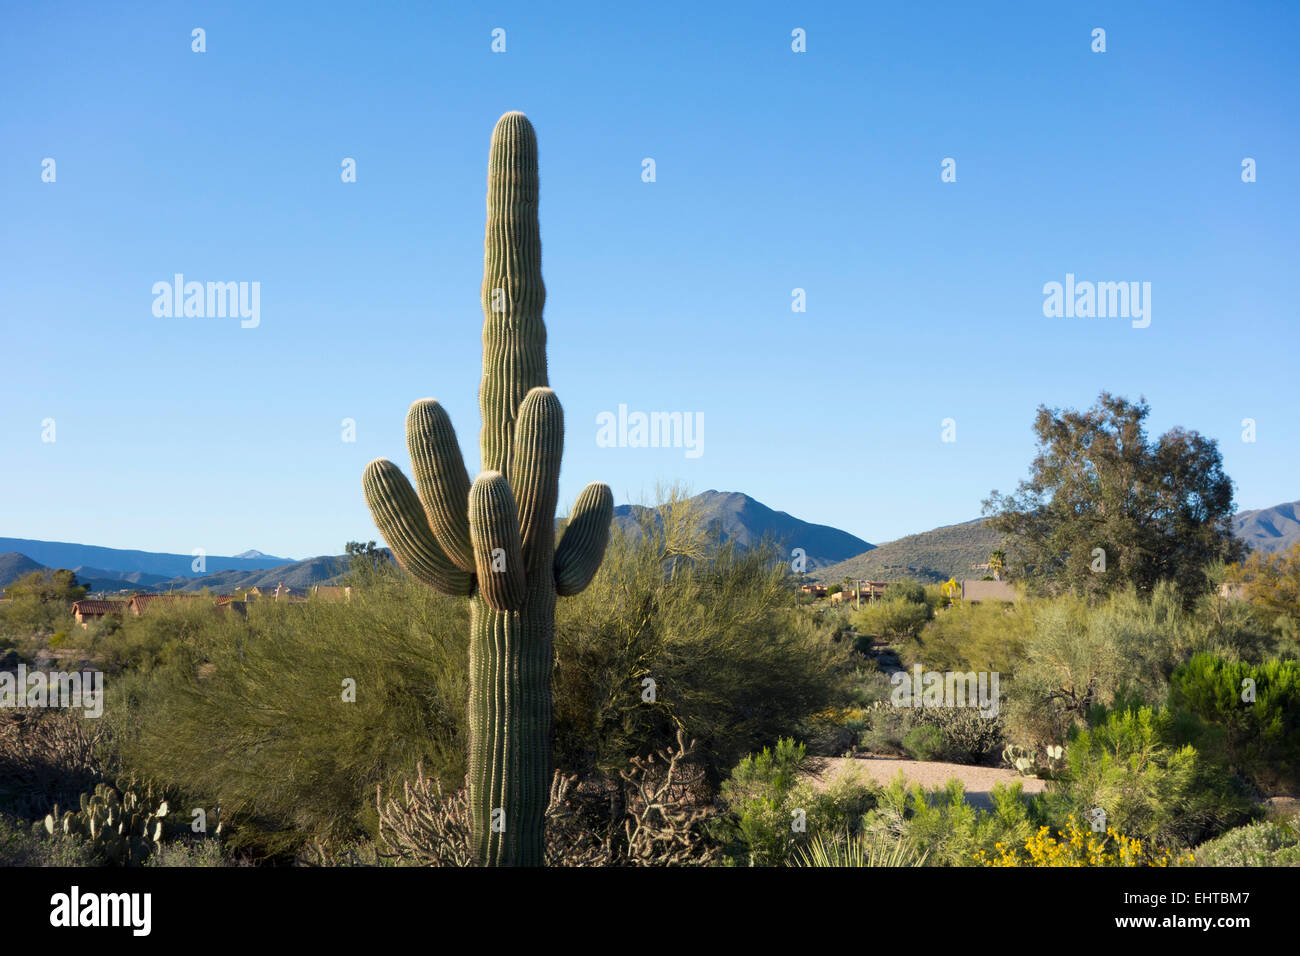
(978, 781)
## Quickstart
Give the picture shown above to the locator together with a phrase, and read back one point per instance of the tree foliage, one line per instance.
(1271, 583)
(1102, 495)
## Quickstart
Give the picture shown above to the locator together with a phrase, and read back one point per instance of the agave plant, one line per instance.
(843, 850)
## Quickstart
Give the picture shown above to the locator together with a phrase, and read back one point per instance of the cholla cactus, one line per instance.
(494, 541)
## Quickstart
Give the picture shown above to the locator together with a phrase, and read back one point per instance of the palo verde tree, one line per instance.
(494, 541)
(1105, 507)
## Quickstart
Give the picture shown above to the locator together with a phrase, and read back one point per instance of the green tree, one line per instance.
(1271, 583)
(1104, 506)
(47, 587)
(998, 563)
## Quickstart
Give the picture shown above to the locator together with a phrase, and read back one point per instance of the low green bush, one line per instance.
(944, 828)
(1259, 844)
(925, 743)
(24, 843)
(1250, 713)
(963, 735)
(1150, 788)
(772, 810)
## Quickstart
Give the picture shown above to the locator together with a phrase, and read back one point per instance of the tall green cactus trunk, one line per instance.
(494, 541)
(510, 657)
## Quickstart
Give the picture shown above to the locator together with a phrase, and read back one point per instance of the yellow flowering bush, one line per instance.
(1075, 846)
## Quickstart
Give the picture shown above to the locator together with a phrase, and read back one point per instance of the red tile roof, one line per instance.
(98, 607)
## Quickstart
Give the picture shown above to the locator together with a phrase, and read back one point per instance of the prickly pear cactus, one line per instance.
(493, 541)
(124, 827)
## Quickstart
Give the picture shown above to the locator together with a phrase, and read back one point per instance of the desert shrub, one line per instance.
(894, 618)
(964, 736)
(909, 590)
(24, 843)
(49, 757)
(1073, 846)
(1266, 843)
(206, 852)
(772, 809)
(40, 605)
(981, 637)
(942, 826)
(1150, 788)
(1259, 736)
(675, 632)
(259, 719)
(178, 633)
(853, 851)
(925, 743)
(1271, 583)
(1080, 656)
(658, 823)
(834, 731)
(968, 736)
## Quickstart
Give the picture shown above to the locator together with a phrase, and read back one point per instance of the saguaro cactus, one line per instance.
(494, 541)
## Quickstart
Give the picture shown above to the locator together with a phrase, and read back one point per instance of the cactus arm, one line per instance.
(441, 479)
(398, 514)
(535, 472)
(514, 335)
(585, 537)
(494, 529)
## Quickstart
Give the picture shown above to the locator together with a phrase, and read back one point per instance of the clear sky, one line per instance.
(774, 170)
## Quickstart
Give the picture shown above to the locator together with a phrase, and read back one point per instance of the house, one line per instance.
(977, 591)
(140, 603)
(865, 591)
(330, 592)
(816, 590)
(227, 602)
(278, 593)
(86, 612)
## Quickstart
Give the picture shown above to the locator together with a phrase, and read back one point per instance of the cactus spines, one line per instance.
(494, 540)
(535, 474)
(494, 529)
(514, 336)
(401, 519)
(441, 478)
(578, 557)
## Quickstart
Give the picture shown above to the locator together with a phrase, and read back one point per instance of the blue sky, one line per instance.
(775, 170)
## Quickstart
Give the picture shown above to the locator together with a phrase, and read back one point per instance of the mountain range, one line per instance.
(59, 554)
(831, 554)
(740, 519)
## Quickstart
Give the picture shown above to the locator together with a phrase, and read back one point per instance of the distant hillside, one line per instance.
(127, 579)
(931, 556)
(1270, 529)
(14, 566)
(740, 518)
(58, 554)
(295, 574)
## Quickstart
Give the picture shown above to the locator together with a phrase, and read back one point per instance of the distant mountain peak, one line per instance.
(251, 554)
(746, 521)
